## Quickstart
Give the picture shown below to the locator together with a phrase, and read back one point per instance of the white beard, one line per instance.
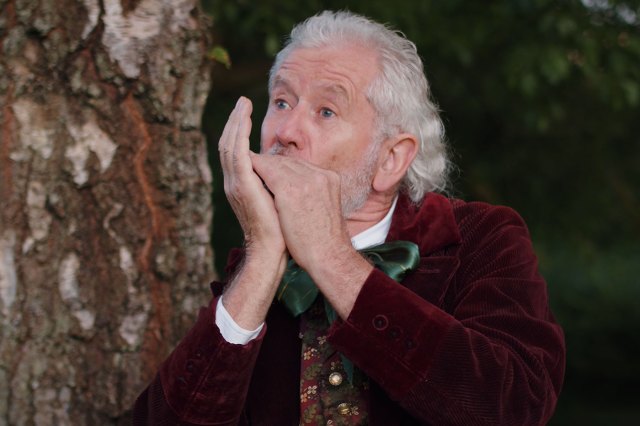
(355, 185)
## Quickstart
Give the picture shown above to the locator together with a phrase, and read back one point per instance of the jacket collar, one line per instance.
(431, 224)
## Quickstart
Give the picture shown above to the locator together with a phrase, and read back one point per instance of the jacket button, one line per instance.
(380, 322)
(409, 344)
(395, 332)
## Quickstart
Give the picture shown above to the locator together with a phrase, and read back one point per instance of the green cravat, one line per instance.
(297, 291)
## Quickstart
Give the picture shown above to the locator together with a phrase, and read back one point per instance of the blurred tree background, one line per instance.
(541, 101)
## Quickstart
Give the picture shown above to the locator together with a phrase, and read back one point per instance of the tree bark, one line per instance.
(105, 201)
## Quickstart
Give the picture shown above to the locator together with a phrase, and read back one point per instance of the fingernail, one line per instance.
(240, 101)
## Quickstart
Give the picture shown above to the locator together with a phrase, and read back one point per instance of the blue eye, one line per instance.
(280, 104)
(327, 113)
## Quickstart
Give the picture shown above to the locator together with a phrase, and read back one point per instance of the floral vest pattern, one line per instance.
(326, 395)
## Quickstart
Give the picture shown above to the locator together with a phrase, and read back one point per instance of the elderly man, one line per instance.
(447, 322)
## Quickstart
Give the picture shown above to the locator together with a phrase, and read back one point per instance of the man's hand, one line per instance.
(250, 201)
(307, 199)
(253, 288)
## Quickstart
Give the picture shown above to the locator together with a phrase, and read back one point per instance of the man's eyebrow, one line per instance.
(280, 82)
(339, 91)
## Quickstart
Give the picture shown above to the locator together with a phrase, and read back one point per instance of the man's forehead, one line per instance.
(343, 71)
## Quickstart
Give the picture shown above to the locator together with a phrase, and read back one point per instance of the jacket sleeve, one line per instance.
(203, 381)
(489, 352)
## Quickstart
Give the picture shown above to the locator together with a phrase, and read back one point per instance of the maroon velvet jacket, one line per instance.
(466, 339)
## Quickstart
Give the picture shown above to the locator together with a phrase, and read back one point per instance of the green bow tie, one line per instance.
(297, 291)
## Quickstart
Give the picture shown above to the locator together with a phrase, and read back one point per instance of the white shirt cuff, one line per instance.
(230, 330)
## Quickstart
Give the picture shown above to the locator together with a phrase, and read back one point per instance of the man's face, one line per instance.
(318, 112)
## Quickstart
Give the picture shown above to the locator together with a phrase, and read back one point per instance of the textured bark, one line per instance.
(105, 201)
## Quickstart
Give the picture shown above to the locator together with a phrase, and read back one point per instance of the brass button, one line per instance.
(335, 378)
(343, 408)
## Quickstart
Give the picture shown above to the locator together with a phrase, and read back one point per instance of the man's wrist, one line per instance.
(341, 278)
(249, 294)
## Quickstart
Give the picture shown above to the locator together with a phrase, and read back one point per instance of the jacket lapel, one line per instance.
(433, 227)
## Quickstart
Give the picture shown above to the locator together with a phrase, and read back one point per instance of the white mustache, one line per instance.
(277, 149)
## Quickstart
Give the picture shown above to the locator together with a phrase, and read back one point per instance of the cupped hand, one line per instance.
(250, 292)
(250, 201)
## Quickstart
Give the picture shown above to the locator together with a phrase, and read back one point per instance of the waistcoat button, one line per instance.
(343, 408)
(335, 378)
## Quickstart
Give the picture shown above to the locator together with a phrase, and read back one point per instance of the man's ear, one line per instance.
(396, 155)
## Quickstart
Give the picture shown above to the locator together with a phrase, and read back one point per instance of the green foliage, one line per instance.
(594, 294)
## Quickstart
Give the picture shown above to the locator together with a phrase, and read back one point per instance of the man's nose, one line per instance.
(291, 131)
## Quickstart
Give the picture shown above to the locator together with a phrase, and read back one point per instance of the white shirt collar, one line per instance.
(375, 235)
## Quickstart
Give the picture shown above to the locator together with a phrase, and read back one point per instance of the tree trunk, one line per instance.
(105, 201)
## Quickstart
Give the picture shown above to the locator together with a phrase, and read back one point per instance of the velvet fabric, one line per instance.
(466, 339)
